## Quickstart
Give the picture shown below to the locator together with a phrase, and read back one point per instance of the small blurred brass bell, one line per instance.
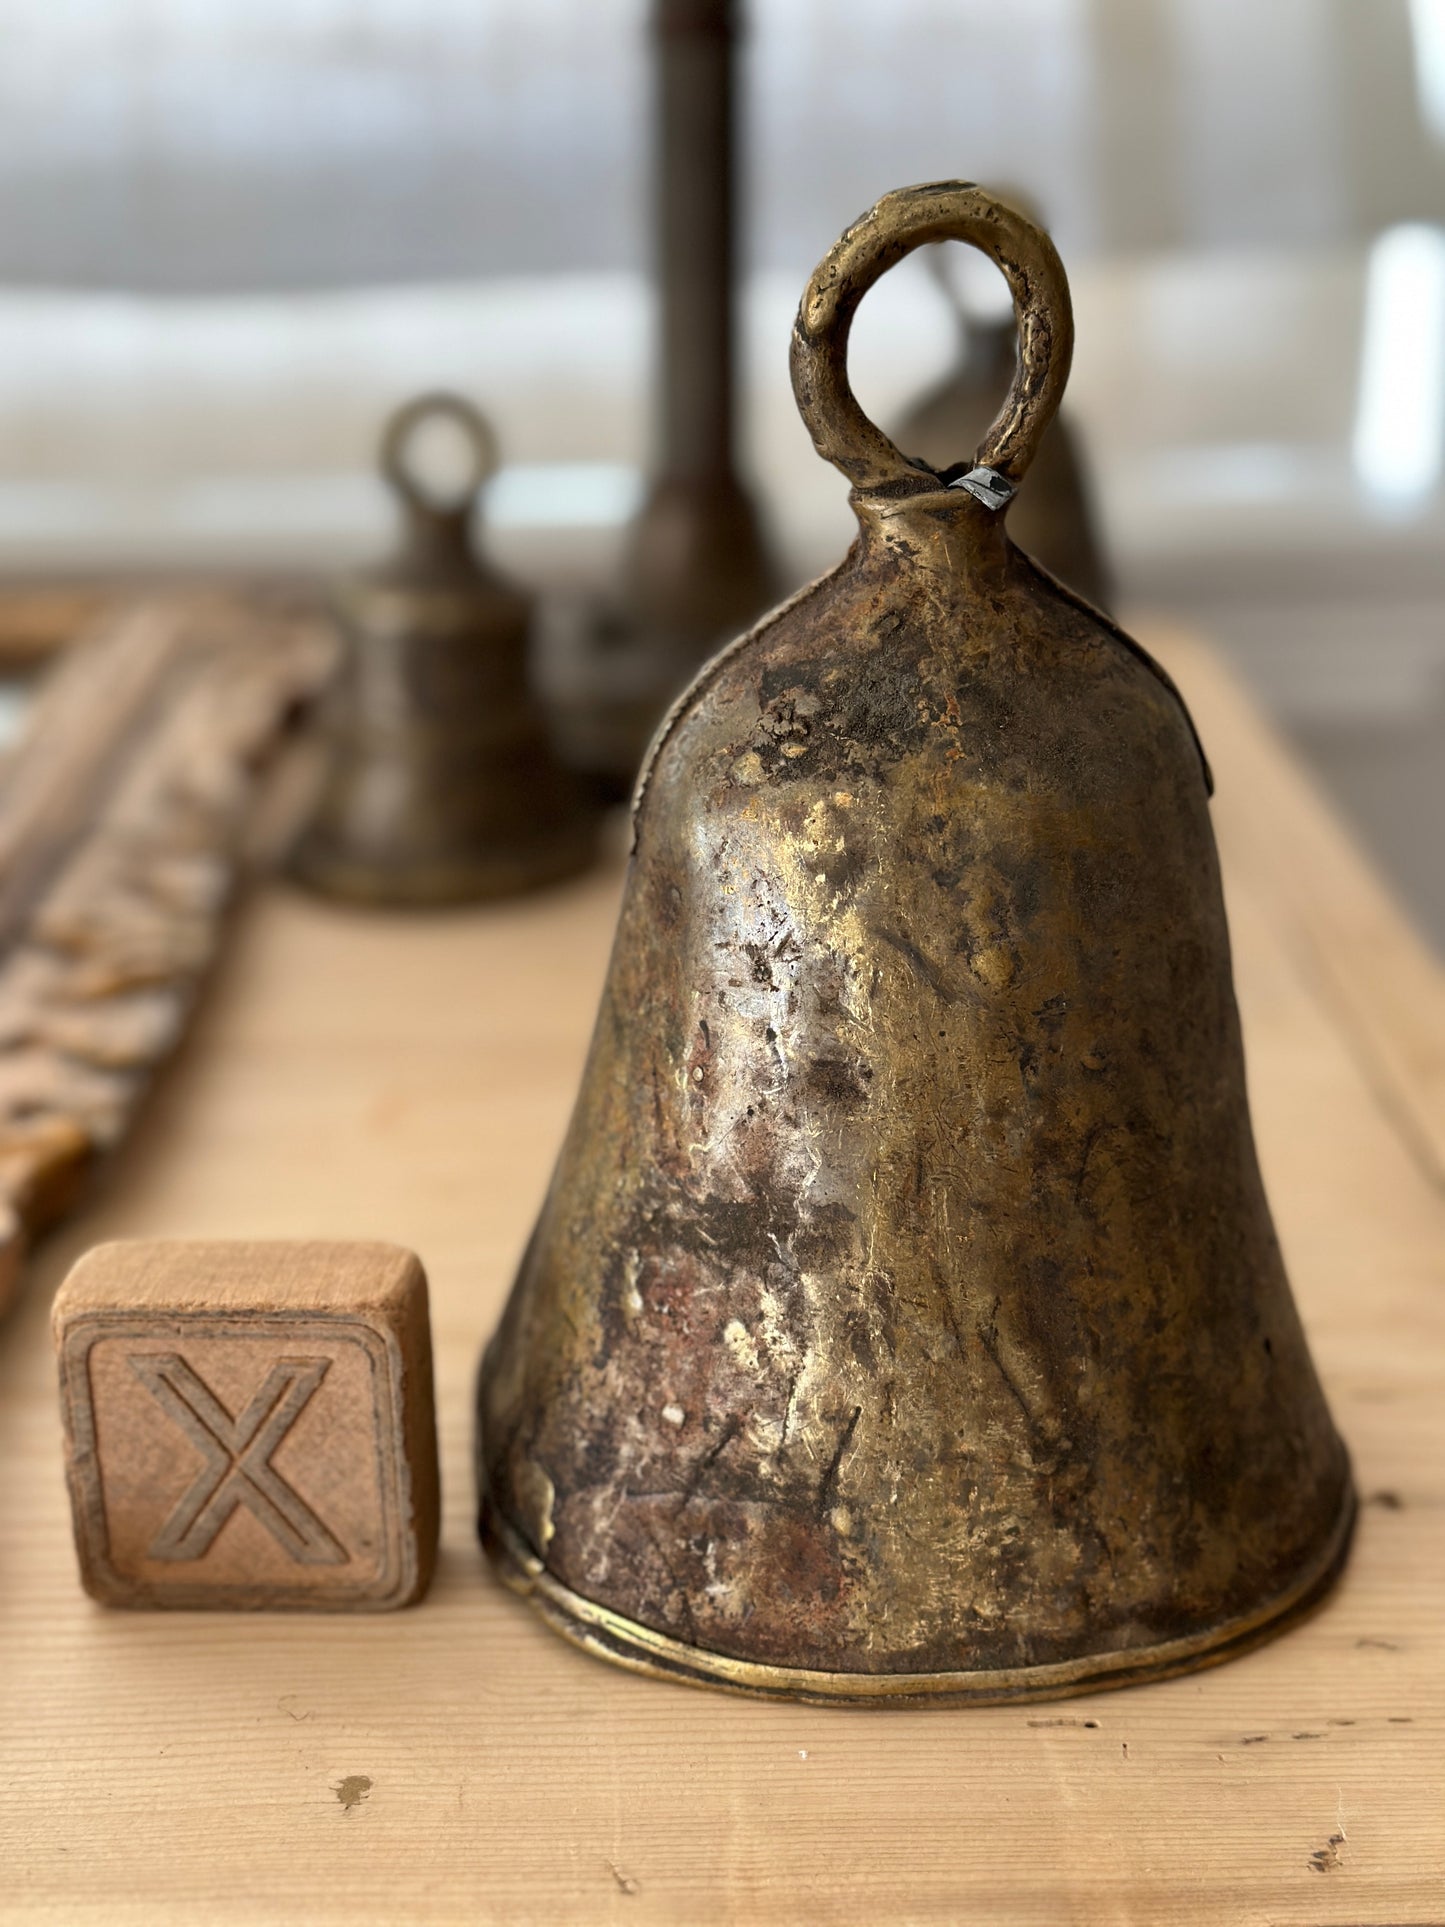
(440, 784)
(905, 1319)
(1052, 518)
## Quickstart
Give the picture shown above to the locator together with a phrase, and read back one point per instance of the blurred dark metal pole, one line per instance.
(696, 568)
(695, 198)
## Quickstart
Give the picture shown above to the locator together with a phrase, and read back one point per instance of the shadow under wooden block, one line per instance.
(249, 1425)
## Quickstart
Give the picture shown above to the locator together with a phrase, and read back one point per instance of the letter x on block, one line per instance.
(238, 1452)
(249, 1424)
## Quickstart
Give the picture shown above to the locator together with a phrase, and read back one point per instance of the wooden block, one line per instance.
(249, 1424)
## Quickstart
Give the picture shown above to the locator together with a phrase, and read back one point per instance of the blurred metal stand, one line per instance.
(696, 568)
(440, 783)
(1052, 516)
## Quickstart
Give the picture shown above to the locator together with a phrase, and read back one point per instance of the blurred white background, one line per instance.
(185, 146)
(232, 235)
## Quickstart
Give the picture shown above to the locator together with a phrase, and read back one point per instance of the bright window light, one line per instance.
(572, 495)
(1399, 438)
(1427, 25)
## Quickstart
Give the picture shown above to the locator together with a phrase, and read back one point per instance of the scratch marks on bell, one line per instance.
(828, 1486)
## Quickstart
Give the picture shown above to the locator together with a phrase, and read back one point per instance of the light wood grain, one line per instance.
(409, 1079)
(1383, 984)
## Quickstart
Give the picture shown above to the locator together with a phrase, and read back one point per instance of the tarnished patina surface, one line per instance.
(906, 1304)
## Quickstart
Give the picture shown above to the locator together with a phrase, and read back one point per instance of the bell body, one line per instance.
(1052, 517)
(440, 784)
(905, 1317)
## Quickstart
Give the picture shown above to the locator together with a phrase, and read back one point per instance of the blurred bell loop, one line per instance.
(905, 1320)
(440, 784)
(1053, 519)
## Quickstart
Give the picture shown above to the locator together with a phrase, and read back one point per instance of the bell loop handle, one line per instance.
(892, 228)
(396, 463)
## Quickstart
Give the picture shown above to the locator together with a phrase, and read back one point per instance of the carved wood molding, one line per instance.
(123, 810)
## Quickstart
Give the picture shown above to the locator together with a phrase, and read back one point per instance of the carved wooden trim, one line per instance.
(122, 811)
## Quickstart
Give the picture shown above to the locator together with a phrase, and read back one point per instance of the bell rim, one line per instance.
(612, 1636)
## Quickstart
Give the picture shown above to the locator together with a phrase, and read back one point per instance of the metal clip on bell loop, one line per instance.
(440, 783)
(905, 1320)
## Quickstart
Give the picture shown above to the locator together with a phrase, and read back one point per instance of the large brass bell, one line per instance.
(905, 1318)
(1053, 518)
(440, 784)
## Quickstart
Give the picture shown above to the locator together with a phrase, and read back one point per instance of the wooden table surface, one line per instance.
(409, 1078)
